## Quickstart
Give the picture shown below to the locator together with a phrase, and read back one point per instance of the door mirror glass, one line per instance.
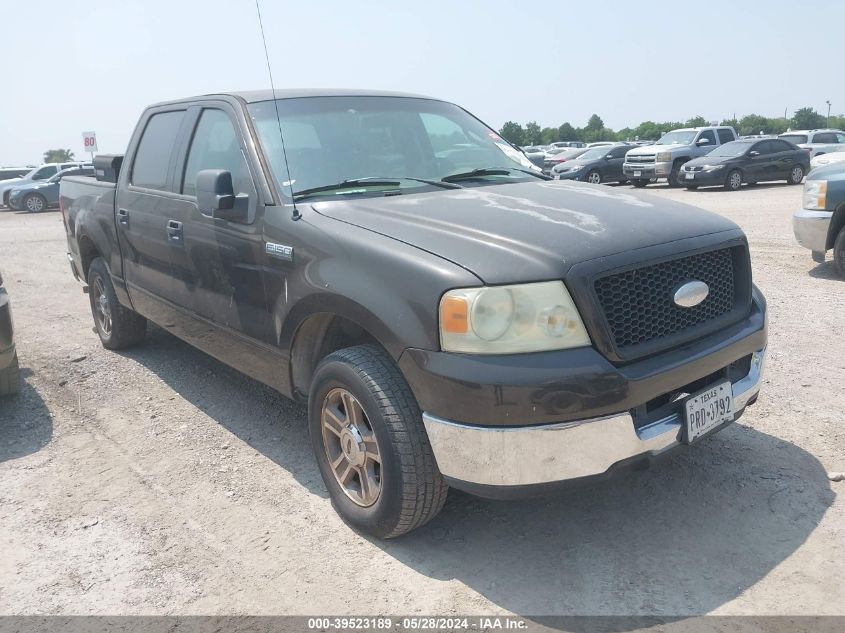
(608, 157)
(703, 141)
(216, 196)
(753, 152)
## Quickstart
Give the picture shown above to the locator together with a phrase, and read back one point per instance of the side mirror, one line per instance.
(753, 152)
(703, 141)
(216, 196)
(608, 156)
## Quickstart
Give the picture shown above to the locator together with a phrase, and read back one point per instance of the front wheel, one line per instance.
(34, 203)
(117, 327)
(839, 253)
(594, 177)
(674, 177)
(734, 180)
(796, 175)
(370, 443)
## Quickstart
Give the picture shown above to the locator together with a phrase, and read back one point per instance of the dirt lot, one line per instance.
(158, 481)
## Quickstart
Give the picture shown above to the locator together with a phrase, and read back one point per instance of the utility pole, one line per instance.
(827, 123)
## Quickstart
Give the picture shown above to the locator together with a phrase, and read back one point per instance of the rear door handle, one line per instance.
(174, 231)
(123, 217)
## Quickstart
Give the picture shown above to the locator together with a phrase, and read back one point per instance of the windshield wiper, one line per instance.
(491, 171)
(371, 181)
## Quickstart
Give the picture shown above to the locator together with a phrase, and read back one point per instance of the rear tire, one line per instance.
(10, 378)
(733, 182)
(796, 175)
(117, 327)
(839, 253)
(381, 446)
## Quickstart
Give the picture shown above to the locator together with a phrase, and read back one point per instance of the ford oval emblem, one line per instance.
(691, 294)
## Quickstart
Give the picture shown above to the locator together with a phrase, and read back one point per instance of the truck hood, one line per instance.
(653, 149)
(528, 231)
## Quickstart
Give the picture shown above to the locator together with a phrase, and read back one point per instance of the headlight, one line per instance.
(510, 319)
(664, 157)
(713, 167)
(815, 194)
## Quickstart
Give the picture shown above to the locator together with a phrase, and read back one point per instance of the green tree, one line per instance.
(549, 135)
(533, 133)
(754, 124)
(567, 133)
(595, 123)
(58, 156)
(513, 133)
(696, 121)
(807, 119)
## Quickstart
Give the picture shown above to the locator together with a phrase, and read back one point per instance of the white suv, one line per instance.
(816, 141)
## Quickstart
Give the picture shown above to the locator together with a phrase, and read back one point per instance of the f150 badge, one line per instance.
(279, 251)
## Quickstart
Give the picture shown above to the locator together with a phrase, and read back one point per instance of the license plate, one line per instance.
(637, 174)
(690, 175)
(707, 409)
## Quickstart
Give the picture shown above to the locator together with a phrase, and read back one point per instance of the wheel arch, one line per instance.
(88, 251)
(837, 223)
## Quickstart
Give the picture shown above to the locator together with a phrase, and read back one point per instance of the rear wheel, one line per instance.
(734, 180)
(796, 175)
(10, 378)
(839, 253)
(370, 443)
(34, 203)
(117, 327)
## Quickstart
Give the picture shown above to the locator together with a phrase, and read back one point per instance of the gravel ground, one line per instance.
(158, 481)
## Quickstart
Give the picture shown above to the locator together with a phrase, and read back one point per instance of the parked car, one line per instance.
(569, 144)
(820, 224)
(747, 161)
(41, 194)
(9, 371)
(596, 165)
(820, 160)
(469, 324)
(561, 156)
(7, 173)
(42, 172)
(816, 141)
(535, 154)
(600, 144)
(665, 158)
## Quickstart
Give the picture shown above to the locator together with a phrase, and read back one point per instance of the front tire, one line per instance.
(34, 203)
(370, 443)
(796, 175)
(10, 378)
(839, 253)
(117, 327)
(733, 182)
(594, 177)
(674, 177)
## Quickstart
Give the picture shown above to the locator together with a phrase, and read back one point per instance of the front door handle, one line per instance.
(174, 231)
(123, 217)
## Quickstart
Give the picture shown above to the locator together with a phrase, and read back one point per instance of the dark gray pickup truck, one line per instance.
(451, 316)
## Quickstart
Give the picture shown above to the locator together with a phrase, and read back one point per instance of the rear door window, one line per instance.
(725, 136)
(151, 166)
(825, 137)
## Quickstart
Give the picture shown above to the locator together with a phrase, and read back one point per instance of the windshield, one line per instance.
(594, 153)
(328, 140)
(679, 137)
(734, 148)
(794, 138)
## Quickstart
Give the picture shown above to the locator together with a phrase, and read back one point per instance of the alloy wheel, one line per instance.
(34, 204)
(735, 180)
(351, 447)
(102, 306)
(797, 174)
(594, 177)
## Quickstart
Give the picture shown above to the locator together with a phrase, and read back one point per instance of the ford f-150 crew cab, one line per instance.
(451, 316)
(667, 156)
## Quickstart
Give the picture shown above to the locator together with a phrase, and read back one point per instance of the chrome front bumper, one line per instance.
(521, 456)
(811, 227)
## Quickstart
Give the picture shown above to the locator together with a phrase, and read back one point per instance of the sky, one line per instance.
(96, 65)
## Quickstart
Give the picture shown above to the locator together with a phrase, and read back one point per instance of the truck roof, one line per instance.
(253, 96)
